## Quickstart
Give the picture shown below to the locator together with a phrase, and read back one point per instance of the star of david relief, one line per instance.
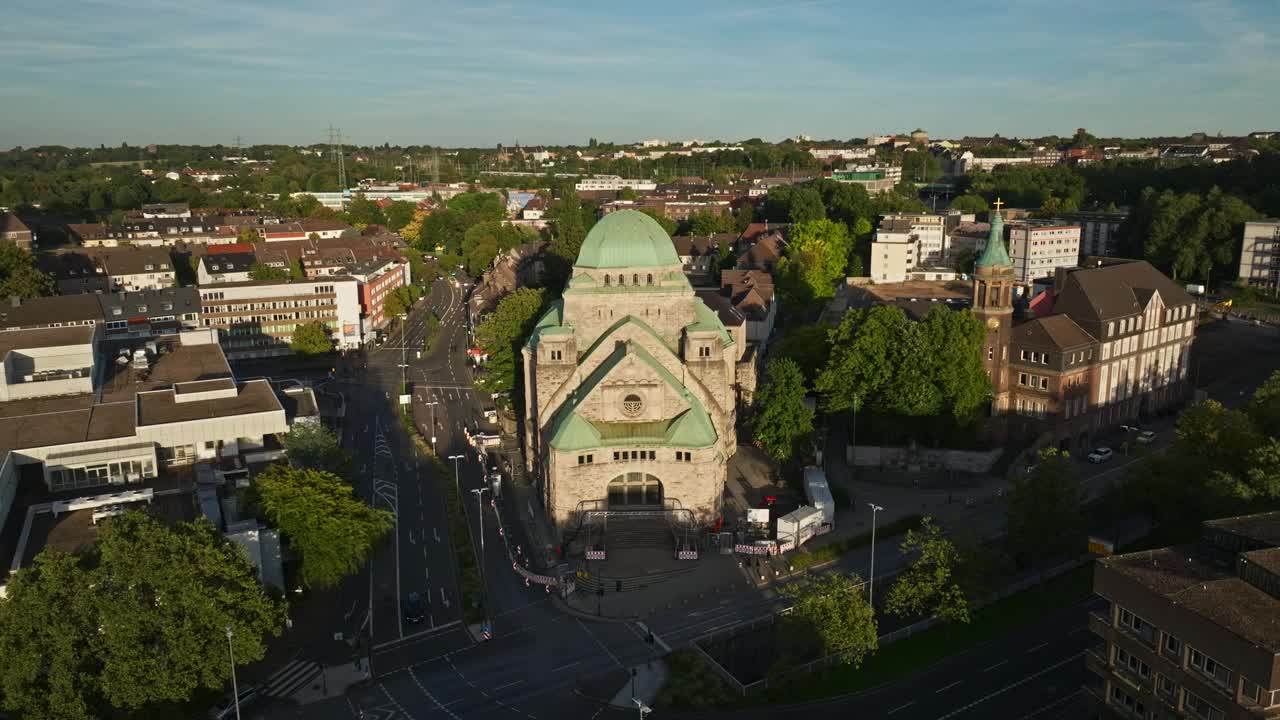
(632, 405)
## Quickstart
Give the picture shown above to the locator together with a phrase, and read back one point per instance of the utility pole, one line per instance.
(456, 484)
(433, 405)
(235, 690)
(871, 582)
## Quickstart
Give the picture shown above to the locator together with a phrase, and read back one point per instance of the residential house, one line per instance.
(700, 254)
(13, 230)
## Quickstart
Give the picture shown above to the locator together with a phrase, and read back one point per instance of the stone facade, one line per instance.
(631, 383)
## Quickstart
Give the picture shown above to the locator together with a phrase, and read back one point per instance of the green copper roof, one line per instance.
(627, 239)
(995, 254)
(709, 320)
(607, 335)
(572, 432)
(551, 323)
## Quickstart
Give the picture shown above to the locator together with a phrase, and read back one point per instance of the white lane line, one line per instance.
(1052, 705)
(564, 667)
(1041, 645)
(430, 697)
(503, 687)
(902, 707)
(1074, 658)
(993, 667)
(947, 687)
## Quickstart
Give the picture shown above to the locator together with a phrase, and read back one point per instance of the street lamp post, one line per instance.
(871, 582)
(456, 484)
(404, 365)
(433, 405)
(235, 690)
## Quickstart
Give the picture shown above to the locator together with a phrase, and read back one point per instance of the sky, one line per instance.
(555, 72)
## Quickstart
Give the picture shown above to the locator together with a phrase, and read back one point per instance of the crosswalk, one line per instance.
(291, 678)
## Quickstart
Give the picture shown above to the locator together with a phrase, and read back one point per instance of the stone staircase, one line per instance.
(641, 531)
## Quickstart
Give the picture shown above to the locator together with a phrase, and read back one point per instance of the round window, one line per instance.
(632, 405)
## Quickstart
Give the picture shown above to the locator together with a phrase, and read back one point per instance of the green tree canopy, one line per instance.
(311, 339)
(1264, 406)
(833, 607)
(571, 220)
(783, 422)
(817, 255)
(808, 346)
(398, 214)
(929, 585)
(363, 212)
(970, 203)
(331, 531)
(137, 623)
(19, 274)
(1044, 518)
(669, 226)
(313, 446)
(706, 222)
(262, 271)
(484, 241)
(504, 332)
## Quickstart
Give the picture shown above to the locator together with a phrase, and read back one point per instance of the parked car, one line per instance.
(1100, 455)
(1146, 437)
(226, 709)
(415, 608)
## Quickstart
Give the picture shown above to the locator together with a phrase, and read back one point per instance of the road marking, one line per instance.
(564, 667)
(1074, 658)
(1041, 645)
(947, 687)
(602, 645)
(428, 570)
(400, 707)
(993, 667)
(503, 687)
(902, 707)
(444, 599)
(430, 697)
(1057, 703)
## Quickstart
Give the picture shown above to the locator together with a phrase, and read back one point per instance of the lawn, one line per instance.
(826, 553)
(910, 655)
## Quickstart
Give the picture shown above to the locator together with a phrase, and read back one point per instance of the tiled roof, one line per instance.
(1055, 331)
(1113, 290)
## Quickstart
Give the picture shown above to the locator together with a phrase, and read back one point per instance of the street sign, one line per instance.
(687, 555)
(405, 399)
(596, 555)
(486, 631)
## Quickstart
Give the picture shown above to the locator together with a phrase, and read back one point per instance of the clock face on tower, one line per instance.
(993, 323)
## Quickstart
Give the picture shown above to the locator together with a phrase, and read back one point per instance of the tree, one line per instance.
(311, 339)
(19, 275)
(863, 354)
(929, 586)
(312, 446)
(627, 193)
(806, 345)
(783, 422)
(668, 225)
(486, 240)
(247, 235)
(399, 214)
(137, 622)
(706, 222)
(833, 608)
(570, 223)
(261, 271)
(363, 212)
(503, 333)
(806, 206)
(1264, 406)
(963, 260)
(1044, 510)
(331, 530)
(970, 203)
(817, 254)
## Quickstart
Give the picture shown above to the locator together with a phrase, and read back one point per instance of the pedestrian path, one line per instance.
(291, 678)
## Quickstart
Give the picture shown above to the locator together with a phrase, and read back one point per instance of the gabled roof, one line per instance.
(1055, 331)
(1116, 290)
(551, 323)
(691, 428)
(708, 321)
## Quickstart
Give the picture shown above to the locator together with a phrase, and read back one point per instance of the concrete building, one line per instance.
(225, 267)
(1260, 254)
(927, 229)
(13, 230)
(74, 272)
(78, 410)
(257, 318)
(894, 251)
(378, 277)
(597, 183)
(631, 384)
(1099, 231)
(875, 181)
(1190, 631)
(1039, 248)
(166, 210)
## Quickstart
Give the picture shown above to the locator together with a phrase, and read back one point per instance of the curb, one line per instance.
(568, 610)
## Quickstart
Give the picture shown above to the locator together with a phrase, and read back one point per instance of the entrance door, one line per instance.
(635, 489)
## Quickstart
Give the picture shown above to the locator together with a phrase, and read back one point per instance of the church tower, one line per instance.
(993, 305)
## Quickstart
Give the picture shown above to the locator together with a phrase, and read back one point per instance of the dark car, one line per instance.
(415, 608)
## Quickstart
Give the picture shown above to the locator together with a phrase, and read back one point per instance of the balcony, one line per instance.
(1100, 624)
(1095, 661)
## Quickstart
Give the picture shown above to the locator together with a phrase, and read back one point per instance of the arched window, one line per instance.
(606, 280)
(650, 278)
(622, 279)
(635, 279)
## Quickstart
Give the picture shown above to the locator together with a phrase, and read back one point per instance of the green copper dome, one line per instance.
(627, 239)
(995, 254)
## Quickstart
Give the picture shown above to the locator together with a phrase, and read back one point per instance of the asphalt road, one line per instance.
(538, 654)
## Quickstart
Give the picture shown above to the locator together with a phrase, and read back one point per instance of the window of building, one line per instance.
(1199, 707)
(1044, 383)
(704, 351)
(1024, 355)
(1111, 328)
(1172, 646)
(1138, 626)
(615, 456)
(557, 355)
(209, 444)
(1126, 660)
(1022, 379)
(585, 459)
(1210, 667)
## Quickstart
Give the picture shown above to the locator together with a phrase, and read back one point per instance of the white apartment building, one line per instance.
(895, 252)
(1099, 231)
(1038, 249)
(257, 318)
(603, 183)
(1260, 254)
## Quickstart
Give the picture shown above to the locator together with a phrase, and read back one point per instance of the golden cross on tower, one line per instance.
(997, 203)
